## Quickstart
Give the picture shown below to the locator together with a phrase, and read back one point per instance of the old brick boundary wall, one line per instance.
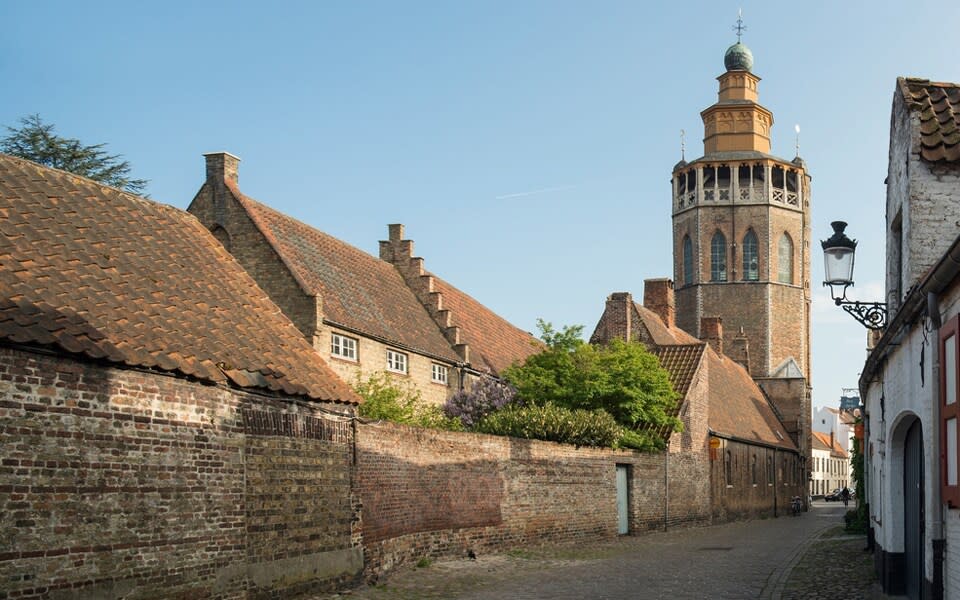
(120, 483)
(436, 494)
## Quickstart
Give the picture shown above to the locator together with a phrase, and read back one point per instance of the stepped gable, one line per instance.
(88, 269)
(484, 340)
(938, 105)
(494, 343)
(738, 407)
(358, 292)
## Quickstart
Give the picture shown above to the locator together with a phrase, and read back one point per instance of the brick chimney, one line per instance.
(222, 166)
(711, 331)
(617, 319)
(658, 297)
(739, 349)
(831, 441)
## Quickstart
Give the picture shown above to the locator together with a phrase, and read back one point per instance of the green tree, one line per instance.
(622, 378)
(36, 141)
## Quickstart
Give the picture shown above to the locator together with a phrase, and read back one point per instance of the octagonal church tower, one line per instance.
(741, 233)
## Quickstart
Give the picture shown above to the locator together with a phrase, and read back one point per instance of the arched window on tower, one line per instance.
(785, 259)
(751, 262)
(687, 261)
(718, 257)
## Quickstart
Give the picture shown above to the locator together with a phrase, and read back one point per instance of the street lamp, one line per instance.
(838, 256)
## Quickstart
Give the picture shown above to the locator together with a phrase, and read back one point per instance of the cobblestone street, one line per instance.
(808, 557)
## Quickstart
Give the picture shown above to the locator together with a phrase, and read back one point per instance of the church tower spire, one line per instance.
(741, 232)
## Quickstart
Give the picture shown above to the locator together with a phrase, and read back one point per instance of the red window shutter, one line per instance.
(950, 413)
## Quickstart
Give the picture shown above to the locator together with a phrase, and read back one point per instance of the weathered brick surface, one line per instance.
(119, 483)
(433, 493)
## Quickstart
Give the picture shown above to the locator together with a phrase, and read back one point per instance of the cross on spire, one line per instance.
(739, 27)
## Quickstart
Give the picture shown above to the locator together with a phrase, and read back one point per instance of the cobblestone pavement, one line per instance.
(790, 558)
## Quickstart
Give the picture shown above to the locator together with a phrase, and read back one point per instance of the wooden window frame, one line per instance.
(336, 350)
(395, 358)
(949, 333)
(435, 370)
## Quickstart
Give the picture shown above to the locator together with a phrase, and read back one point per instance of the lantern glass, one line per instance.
(838, 265)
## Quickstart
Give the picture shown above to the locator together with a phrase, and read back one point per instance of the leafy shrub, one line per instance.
(644, 441)
(553, 423)
(622, 378)
(487, 395)
(387, 399)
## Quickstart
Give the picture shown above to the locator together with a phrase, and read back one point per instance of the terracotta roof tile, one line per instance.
(738, 406)
(358, 291)
(91, 270)
(495, 344)
(938, 105)
(681, 362)
(659, 332)
(821, 441)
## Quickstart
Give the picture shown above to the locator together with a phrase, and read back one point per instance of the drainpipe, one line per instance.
(938, 538)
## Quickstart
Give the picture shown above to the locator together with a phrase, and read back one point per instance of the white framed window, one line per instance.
(396, 361)
(439, 373)
(343, 347)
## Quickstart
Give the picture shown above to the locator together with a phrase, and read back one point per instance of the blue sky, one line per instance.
(527, 146)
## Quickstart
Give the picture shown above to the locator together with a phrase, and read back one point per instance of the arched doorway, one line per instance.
(913, 518)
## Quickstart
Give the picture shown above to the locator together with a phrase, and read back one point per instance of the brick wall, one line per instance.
(432, 493)
(118, 483)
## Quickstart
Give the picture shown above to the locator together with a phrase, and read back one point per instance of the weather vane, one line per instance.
(797, 129)
(683, 146)
(739, 27)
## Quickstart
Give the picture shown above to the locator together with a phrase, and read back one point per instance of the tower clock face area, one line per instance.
(741, 230)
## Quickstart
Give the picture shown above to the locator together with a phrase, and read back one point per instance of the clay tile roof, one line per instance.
(821, 441)
(661, 334)
(738, 407)
(495, 344)
(681, 362)
(938, 105)
(358, 291)
(88, 269)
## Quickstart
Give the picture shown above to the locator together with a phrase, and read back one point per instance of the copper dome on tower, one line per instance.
(738, 58)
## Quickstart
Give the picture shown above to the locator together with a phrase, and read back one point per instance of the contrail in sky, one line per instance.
(533, 192)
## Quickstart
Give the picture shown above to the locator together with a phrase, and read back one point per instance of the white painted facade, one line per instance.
(830, 420)
(900, 382)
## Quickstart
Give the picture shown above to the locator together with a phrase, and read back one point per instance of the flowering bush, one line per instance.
(555, 424)
(487, 395)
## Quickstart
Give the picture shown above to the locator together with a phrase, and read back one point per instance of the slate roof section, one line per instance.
(494, 343)
(821, 441)
(738, 407)
(938, 105)
(88, 269)
(358, 291)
